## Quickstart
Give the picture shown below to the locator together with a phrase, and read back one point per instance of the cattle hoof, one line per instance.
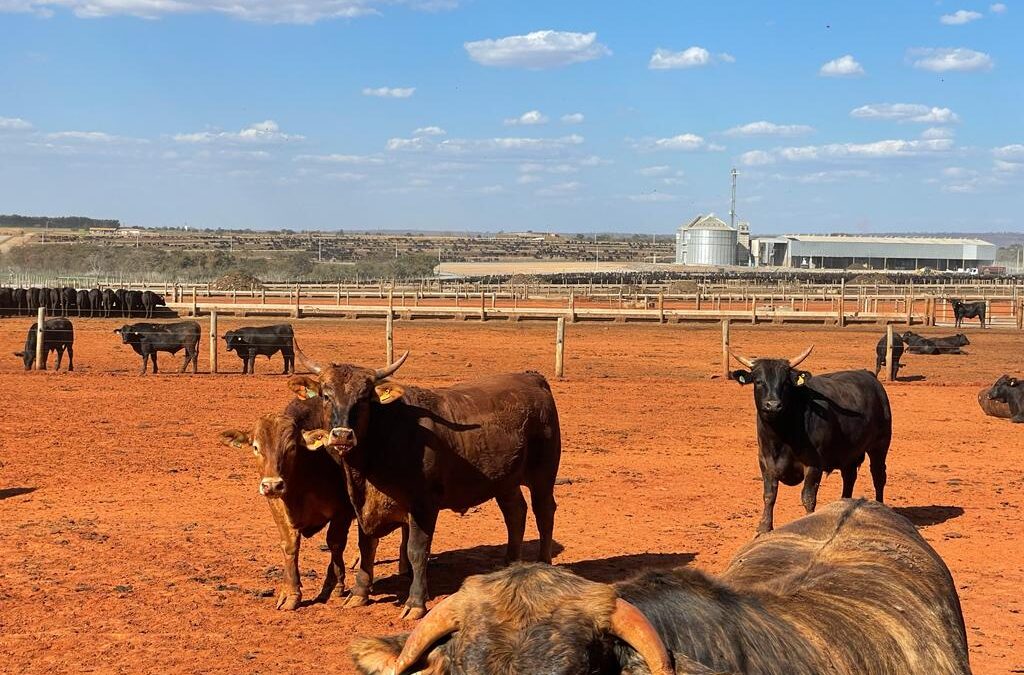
(354, 601)
(413, 613)
(288, 602)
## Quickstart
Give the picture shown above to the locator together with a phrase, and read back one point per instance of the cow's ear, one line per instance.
(1013, 381)
(236, 439)
(800, 377)
(316, 438)
(388, 392)
(20, 355)
(742, 376)
(304, 386)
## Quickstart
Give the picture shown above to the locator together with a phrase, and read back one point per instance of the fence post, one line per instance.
(841, 314)
(40, 334)
(338, 298)
(1020, 316)
(661, 307)
(483, 307)
(572, 307)
(725, 349)
(297, 312)
(890, 370)
(195, 304)
(263, 295)
(389, 339)
(213, 341)
(560, 348)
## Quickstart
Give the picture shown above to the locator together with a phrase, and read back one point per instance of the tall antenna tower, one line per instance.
(732, 207)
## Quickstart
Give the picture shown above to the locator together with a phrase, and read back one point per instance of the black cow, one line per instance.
(132, 302)
(34, 299)
(951, 344)
(897, 354)
(249, 343)
(150, 301)
(807, 425)
(149, 338)
(19, 300)
(95, 302)
(918, 344)
(109, 302)
(55, 298)
(409, 452)
(121, 301)
(82, 301)
(1007, 390)
(68, 300)
(58, 335)
(7, 306)
(968, 310)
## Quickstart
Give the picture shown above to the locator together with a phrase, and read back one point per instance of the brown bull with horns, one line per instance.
(409, 452)
(850, 590)
(808, 425)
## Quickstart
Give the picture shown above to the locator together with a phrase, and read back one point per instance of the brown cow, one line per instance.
(409, 452)
(305, 492)
(850, 590)
(992, 407)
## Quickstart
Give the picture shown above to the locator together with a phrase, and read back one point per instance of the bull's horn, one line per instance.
(632, 627)
(793, 363)
(306, 362)
(441, 622)
(386, 372)
(749, 363)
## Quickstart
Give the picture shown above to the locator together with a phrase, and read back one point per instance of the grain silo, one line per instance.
(706, 240)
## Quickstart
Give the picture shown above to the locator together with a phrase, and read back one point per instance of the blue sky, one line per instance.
(476, 114)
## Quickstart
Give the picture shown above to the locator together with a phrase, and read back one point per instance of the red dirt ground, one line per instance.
(134, 542)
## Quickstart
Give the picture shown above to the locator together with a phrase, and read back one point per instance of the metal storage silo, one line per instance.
(710, 241)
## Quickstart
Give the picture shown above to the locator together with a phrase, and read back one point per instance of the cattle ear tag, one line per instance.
(801, 379)
(310, 393)
(388, 392)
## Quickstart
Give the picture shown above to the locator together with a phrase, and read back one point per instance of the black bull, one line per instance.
(850, 590)
(249, 343)
(808, 424)
(409, 452)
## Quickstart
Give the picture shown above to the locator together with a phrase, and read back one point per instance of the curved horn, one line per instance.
(749, 363)
(441, 622)
(386, 372)
(304, 360)
(633, 628)
(793, 363)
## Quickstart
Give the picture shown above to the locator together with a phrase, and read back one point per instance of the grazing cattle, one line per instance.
(304, 490)
(95, 302)
(132, 302)
(249, 343)
(409, 452)
(19, 300)
(149, 338)
(807, 425)
(992, 407)
(121, 301)
(82, 301)
(34, 299)
(58, 336)
(150, 301)
(850, 590)
(68, 300)
(7, 306)
(1007, 390)
(897, 354)
(55, 298)
(109, 302)
(968, 310)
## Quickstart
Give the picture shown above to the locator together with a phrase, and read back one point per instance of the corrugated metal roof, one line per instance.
(708, 222)
(867, 239)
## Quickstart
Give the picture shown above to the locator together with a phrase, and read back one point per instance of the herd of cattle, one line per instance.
(89, 303)
(353, 445)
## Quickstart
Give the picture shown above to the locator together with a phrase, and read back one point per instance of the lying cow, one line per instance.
(968, 310)
(897, 354)
(58, 336)
(409, 452)
(1007, 390)
(851, 590)
(149, 338)
(992, 407)
(249, 343)
(807, 425)
(918, 344)
(304, 490)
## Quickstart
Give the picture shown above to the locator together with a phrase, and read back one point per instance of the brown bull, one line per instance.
(408, 452)
(992, 407)
(850, 590)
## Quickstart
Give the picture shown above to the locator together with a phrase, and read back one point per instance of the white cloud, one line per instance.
(886, 149)
(14, 124)
(389, 92)
(261, 132)
(819, 177)
(1008, 167)
(756, 158)
(416, 143)
(346, 176)
(693, 57)
(764, 128)
(429, 131)
(594, 160)
(684, 142)
(491, 189)
(529, 118)
(946, 59)
(573, 118)
(659, 170)
(1015, 151)
(499, 146)
(265, 11)
(528, 178)
(91, 137)
(906, 112)
(339, 159)
(844, 66)
(560, 189)
(997, 8)
(960, 17)
(652, 197)
(932, 133)
(537, 50)
(536, 167)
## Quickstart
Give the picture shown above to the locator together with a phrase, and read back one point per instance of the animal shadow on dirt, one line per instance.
(911, 378)
(923, 516)
(7, 493)
(450, 568)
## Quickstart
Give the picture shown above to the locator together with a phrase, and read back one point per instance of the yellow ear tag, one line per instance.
(801, 379)
(310, 393)
(385, 394)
